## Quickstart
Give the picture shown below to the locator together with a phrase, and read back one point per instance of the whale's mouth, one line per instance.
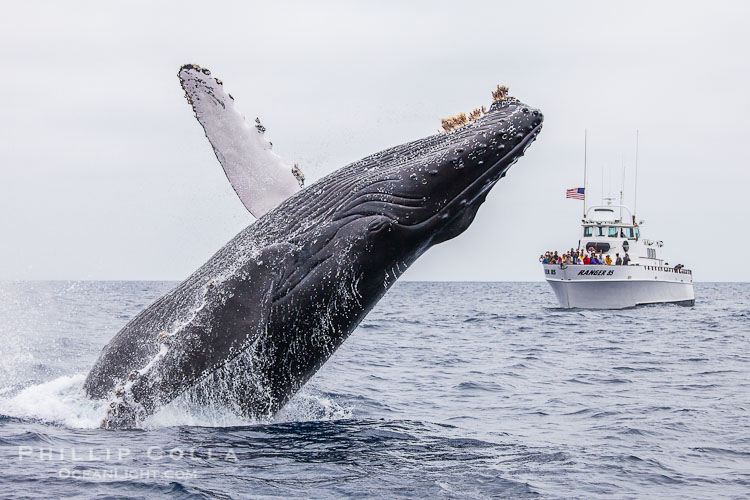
(488, 179)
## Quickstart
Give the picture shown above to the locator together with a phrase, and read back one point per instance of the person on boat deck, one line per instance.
(579, 260)
(586, 260)
(626, 260)
(608, 260)
(618, 260)
(594, 260)
(600, 258)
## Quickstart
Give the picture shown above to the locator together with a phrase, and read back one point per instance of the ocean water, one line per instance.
(446, 390)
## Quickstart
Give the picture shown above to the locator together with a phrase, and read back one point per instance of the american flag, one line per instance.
(575, 193)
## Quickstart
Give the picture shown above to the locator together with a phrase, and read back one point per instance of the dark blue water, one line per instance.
(460, 390)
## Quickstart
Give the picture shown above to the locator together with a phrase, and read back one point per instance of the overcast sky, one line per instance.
(105, 174)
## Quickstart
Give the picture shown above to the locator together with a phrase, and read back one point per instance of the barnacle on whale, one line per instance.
(297, 172)
(500, 93)
(454, 122)
(457, 121)
(259, 125)
(476, 113)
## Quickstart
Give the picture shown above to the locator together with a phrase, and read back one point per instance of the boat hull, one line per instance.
(618, 287)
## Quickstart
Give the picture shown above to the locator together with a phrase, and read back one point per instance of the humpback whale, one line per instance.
(257, 320)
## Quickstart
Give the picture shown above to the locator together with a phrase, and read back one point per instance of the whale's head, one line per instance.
(453, 180)
(428, 191)
(382, 212)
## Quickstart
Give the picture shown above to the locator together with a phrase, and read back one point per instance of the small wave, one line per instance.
(310, 405)
(476, 386)
(635, 432)
(584, 411)
(370, 326)
(723, 451)
(638, 369)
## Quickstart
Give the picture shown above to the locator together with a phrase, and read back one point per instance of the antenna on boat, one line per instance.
(585, 155)
(622, 186)
(635, 189)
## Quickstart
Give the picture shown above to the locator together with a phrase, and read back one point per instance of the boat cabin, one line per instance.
(613, 229)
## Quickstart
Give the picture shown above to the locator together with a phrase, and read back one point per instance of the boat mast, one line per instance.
(635, 188)
(585, 134)
(622, 186)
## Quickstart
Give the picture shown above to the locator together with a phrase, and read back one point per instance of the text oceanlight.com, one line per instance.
(120, 474)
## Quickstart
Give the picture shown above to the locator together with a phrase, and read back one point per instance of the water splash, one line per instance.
(61, 401)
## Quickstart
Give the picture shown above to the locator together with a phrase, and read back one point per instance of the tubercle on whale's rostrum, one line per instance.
(457, 121)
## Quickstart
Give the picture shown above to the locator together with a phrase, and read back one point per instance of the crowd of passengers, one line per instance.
(580, 257)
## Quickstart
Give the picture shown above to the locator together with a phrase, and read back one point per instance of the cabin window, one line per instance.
(588, 231)
(612, 232)
(599, 247)
(628, 232)
(637, 233)
(600, 230)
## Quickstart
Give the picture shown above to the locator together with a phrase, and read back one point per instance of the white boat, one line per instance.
(647, 279)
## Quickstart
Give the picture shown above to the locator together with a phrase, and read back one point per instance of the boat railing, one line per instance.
(647, 268)
(668, 269)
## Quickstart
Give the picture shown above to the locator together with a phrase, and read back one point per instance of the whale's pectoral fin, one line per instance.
(258, 175)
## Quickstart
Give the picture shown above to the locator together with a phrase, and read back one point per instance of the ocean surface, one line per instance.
(446, 390)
